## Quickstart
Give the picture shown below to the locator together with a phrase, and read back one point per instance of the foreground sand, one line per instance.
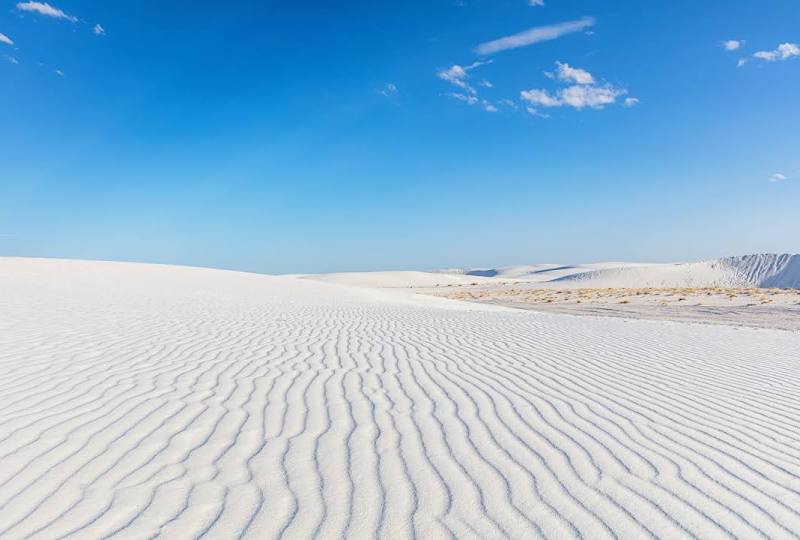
(142, 400)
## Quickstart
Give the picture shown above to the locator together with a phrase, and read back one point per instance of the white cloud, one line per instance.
(594, 97)
(568, 73)
(577, 96)
(473, 100)
(99, 30)
(732, 44)
(769, 56)
(582, 92)
(486, 84)
(788, 49)
(455, 75)
(536, 3)
(11, 59)
(458, 75)
(43, 8)
(534, 35)
(388, 90)
(58, 72)
(778, 177)
(5, 39)
(783, 52)
(469, 100)
(540, 97)
(533, 111)
(741, 62)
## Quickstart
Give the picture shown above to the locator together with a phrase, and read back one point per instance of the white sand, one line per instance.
(764, 270)
(140, 400)
(397, 279)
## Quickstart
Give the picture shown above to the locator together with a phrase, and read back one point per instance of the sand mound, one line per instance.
(770, 271)
(773, 271)
(539, 273)
(145, 401)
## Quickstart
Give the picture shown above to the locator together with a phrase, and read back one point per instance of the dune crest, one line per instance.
(761, 271)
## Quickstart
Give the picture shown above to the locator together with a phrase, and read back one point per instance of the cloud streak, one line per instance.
(5, 39)
(388, 90)
(458, 75)
(43, 8)
(783, 52)
(778, 177)
(534, 35)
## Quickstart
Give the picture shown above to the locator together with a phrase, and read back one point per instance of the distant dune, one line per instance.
(399, 279)
(141, 401)
(762, 271)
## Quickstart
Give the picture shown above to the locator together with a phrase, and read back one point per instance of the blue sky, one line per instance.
(321, 136)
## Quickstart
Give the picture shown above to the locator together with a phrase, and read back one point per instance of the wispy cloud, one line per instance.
(45, 9)
(778, 177)
(5, 39)
(732, 44)
(565, 72)
(458, 75)
(631, 102)
(783, 52)
(536, 3)
(58, 72)
(11, 59)
(468, 99)
(388, 90)
(99, 30)
(533, 111)
(534, 35)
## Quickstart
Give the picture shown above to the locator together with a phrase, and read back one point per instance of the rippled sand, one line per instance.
(138, 401)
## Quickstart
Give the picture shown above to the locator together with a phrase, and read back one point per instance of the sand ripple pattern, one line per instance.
(143, 401)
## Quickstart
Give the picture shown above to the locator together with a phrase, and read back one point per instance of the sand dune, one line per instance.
(139, 400)
(761, 271)
(768, 271)
(543, 273)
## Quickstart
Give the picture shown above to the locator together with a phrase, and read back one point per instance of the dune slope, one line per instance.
(140, 400)
(762, 271)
